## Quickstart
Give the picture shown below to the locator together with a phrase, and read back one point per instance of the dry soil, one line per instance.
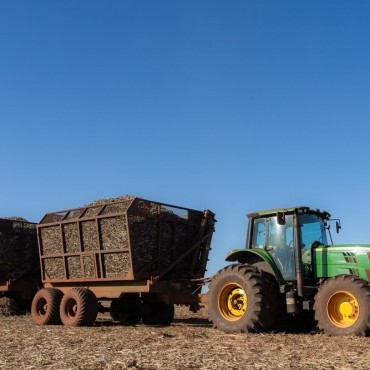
(189, 343)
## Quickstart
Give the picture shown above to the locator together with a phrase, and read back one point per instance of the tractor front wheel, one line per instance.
(342, 306)
(242, 298)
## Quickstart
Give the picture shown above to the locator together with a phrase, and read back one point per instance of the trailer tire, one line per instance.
(126, 309)
(160, 314)
(342, 306)
(79, 307)
(45, 307)
(127, 319)
(242, 298)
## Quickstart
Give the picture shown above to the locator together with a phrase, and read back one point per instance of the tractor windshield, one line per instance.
(313, 233)
(312, 230)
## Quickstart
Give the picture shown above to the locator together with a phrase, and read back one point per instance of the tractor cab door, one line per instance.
(278, 241)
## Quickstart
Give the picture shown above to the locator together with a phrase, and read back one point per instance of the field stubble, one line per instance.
(189, 343)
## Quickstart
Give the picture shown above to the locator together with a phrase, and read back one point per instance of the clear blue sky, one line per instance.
(234, 106)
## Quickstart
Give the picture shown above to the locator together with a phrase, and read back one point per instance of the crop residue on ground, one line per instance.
(189, 343)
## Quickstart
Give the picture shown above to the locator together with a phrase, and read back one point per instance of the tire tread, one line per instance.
(350, 283)
(265, 298)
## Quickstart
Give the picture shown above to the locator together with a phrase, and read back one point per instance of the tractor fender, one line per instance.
(256, 257)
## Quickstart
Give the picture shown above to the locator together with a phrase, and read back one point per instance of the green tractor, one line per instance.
(288, 268)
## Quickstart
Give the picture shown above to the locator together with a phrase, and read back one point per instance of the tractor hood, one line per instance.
(352, 259)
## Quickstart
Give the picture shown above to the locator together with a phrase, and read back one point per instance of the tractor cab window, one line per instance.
(312, 229)
(259, 233)
(278, 241)
(313, 233)
(280, 245)
(280, 235)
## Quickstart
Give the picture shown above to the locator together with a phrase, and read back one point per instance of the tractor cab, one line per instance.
(288, 233)
(283, 242)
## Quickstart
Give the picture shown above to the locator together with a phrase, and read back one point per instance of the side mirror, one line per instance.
(280, 216)
(338, 226)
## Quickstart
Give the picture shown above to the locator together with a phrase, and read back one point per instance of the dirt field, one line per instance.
(189, 343)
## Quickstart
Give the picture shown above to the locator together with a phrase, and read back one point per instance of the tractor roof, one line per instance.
(300, 209)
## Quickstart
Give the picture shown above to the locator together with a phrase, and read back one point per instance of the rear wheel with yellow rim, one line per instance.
(342, 306)
(242, 298)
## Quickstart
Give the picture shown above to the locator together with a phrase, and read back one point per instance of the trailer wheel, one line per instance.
(79, 307)
(342, 306)
(242, 298)
(126, 309)
(160, 314)
(45, 307)
(127, 319)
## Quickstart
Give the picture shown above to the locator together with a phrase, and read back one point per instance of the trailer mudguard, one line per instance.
(256, 257)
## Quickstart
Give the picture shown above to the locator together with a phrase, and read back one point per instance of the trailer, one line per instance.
(19, 265)
(135, 258)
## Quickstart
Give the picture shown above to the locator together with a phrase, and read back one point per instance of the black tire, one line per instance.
(79, 307)
(126, 309)
(45, 307)
(131, 319)
(242, 298)
(342, 306)
(160, 314)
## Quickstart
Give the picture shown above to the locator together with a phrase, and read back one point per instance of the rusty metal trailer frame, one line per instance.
(157, 286)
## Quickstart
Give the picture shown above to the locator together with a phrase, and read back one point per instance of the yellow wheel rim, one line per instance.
(232, 302)
(343, 309)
